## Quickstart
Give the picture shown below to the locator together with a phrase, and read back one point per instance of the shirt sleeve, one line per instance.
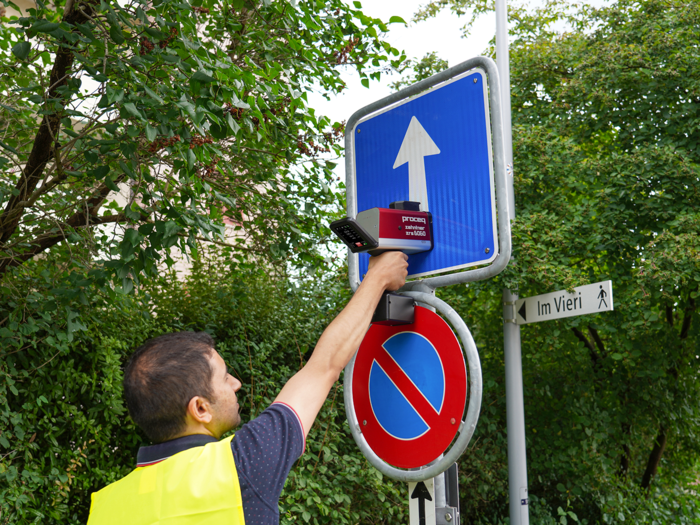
(265, 449)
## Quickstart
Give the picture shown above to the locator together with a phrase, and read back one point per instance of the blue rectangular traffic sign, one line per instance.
(434, 148)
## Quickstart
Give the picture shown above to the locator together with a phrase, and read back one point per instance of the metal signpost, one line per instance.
(441, 148)
(439, 143)
(515, 407)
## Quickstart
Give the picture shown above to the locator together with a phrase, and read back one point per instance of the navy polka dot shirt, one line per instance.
(264, 451)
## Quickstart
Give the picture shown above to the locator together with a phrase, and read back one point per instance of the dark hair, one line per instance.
(162, 376)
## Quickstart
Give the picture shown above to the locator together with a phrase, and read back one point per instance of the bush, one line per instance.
(66, 432)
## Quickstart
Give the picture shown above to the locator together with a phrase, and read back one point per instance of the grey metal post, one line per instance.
(515, 410)
(515, 414)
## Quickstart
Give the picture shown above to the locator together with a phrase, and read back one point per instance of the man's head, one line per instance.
(177, 384)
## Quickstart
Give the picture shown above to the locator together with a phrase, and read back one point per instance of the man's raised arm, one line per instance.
(306, 391)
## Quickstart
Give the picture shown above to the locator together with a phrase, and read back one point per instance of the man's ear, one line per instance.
(199, 409)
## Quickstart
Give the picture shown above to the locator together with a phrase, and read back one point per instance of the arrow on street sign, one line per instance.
(420, 512)
(588, 299)
(421, 494)
(523, 311)
(416, 145)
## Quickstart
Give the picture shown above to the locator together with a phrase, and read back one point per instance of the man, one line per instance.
(180, 393)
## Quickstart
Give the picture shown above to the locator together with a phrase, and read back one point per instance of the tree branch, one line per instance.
(626, 453)
(598, 340)
(46, 241)
(86, 215)
(595, 358)
(654, 457)
(42, 149)
(687, 317)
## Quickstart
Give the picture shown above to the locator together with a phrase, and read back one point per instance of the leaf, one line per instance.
(397, 20)
(561, 487)
(201, 76)
(171, 228)
(191, 159)
(358, 5)
(9, 148)
(132, 236)
(131, 109)
(99, 172)
(365, 82)
(127, 285)
(616, 356)
(151, 133)
(22, 49)
(110, 184)
(115, 32)
(232, 123)
(126, 169)
(44, 26)
(86, 30)
(153, 95)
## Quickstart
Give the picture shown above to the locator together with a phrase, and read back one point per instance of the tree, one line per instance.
(607, 181)
(194, 111)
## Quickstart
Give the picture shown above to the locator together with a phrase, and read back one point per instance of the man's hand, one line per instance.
(308, 389)
(389, 268)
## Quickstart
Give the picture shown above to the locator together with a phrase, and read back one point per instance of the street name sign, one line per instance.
(588, 299)
(433, 148)
(409, 387)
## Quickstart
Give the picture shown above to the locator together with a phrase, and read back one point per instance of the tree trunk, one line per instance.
(625, 457)
(654, 458)
(44, 142)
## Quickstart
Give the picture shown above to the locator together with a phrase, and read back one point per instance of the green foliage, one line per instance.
(65, 430)
(607, 181)
(194, 111)
(419, 70)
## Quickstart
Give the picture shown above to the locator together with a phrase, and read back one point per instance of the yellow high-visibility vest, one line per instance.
(196, 486)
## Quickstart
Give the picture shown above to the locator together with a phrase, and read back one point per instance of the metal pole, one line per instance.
(515, 414)
(515, 410)
(503, 63)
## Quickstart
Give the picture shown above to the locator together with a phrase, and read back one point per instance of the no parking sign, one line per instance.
(410, 389)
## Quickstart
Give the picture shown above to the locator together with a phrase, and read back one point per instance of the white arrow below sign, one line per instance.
(416, 145)
(588, 299)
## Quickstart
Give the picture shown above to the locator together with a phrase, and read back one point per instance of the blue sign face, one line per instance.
(435, 149)
(392, 406)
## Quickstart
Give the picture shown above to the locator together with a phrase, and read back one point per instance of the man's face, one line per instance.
(224, 407)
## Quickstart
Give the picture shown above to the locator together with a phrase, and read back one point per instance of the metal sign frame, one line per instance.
(502, 208)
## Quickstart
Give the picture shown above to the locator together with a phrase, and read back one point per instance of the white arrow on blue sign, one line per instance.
(434, 148)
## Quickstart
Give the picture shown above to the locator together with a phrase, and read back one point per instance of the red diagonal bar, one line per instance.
(407, 388)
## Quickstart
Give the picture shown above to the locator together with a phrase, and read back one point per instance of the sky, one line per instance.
(441, 34)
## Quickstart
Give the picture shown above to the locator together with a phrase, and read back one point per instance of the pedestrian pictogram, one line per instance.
(602, 296)
(409, 389)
